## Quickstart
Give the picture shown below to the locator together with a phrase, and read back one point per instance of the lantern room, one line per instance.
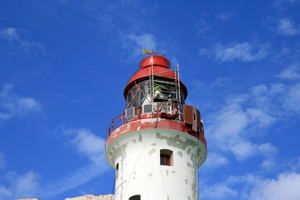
(156, 91)
(155, 81)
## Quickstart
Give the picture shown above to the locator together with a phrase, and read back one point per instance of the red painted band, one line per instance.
(150, 124)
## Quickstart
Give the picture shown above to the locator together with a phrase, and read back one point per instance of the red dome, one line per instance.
(161, 66)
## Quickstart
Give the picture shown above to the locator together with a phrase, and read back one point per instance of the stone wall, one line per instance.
(94, 197)
(29, 199)
(86, 197)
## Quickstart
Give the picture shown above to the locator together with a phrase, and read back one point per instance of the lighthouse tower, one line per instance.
(157, 142)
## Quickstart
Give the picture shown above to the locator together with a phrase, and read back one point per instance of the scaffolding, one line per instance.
(167, 85)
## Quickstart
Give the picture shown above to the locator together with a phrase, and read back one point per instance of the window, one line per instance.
(136, 94)
(135, 197)
(117, 171)
(166, 157)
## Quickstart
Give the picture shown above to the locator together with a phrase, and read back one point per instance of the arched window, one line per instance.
(135, 197)
(166, 157)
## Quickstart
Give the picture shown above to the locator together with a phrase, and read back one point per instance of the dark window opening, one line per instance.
(117, 171)
(166, 157)
(135, 197)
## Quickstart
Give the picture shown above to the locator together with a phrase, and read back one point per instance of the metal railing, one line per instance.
(160, 110)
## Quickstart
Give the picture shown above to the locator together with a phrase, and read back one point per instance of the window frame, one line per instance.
(166, 154)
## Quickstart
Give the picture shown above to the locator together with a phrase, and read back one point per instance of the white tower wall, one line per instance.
(140, 173)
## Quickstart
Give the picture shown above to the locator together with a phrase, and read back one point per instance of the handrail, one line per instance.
(161, 111)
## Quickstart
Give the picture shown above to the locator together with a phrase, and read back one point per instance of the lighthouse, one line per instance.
(157, 143)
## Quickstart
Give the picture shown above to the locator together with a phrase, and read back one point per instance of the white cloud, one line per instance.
(72, 180)
(87, 144)
(9, 34)
(268, 164)
(292, 98)
(241, 118)
(26, 185)
(267, 149)
(243, 150)
(277, 88)
(287, 27)
(244, 52)
(253, 187)
(218, 191)
(220, 82)
(33, 46)
(291, 73)
(135, 43)
(225, 16)
(279, 2)
(13, 105)
(279, 99)
(203, 27)
(283, 186)
(232, 127)
(2, 160)
(245, 115)
(4, 192)
(286, 186)
(215, 160)
(260, 118)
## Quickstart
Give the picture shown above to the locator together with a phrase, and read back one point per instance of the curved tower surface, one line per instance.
(157, 143)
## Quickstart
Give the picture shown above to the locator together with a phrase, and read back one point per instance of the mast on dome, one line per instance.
(149, 51)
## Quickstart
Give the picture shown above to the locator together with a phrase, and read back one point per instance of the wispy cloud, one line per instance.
(215, 160)
(27, 185)
(292, 98)
(5, 192)
(24, 185)
(218, 191)
(286, 186)
(10, 34)
(89, 145)
(291, 73)
(86, 144)
(2, 160)
(253, 187)
(287, 27)
(220, 81)
(135, 43)
(203, 27)
(244, 52)
(280, 3)
(289, 1)
(12, 104)
(75, 179)
(244, 115)
(268, 164)
(228, 128)
(225, 16)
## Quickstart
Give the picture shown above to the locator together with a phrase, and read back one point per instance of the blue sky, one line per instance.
(64, 65)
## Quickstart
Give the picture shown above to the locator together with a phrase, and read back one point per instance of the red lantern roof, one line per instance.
(161, 68)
